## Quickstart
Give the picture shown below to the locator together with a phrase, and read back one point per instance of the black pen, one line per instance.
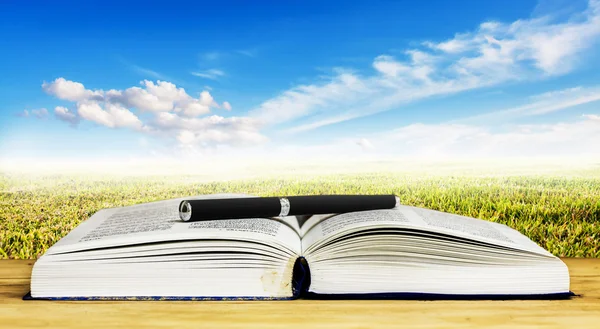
(264, 207)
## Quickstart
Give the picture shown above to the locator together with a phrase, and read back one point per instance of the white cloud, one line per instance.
(566, 138)
(551, 46)
(195, 108)
(211, 56)
(343, 90)
(171, 113)
(207, 99)
(113, 115)
(556, 93)
(365, 144)
(576, 138)
(160, 97)
(63, 113)
(226, 106)
(140, 99)
(542, 104)
(388, 66)
(41, 113)
(186, 137)
(211, 130)
(93, 112)
(494, 53)
(165, 91)
(322, 123)
(212, 74)
(69, 90)
(147, 72)
(592, 117)
(458, 44)
(153, 97)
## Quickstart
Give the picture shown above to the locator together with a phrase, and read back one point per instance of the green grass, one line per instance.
(562, 214)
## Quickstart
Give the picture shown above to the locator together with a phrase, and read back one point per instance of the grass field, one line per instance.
(561, 213)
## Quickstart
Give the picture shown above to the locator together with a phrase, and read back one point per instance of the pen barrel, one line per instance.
(212, 209)
(329, 204)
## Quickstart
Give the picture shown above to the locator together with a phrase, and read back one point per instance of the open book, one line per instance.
(146, 251)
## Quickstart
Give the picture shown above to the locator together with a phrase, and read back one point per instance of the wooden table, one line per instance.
(579, 312)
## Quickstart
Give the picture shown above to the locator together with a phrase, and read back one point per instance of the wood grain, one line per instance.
(579, 312)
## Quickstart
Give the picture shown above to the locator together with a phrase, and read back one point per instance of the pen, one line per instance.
(213, 209)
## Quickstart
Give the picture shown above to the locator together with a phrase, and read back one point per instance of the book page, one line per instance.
(308, 223)
(478, 229)
(159, 221)
(424, 219)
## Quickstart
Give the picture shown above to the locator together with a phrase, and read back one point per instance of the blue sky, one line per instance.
(91, 79)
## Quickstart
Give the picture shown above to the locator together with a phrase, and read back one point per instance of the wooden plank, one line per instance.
(578, 312)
